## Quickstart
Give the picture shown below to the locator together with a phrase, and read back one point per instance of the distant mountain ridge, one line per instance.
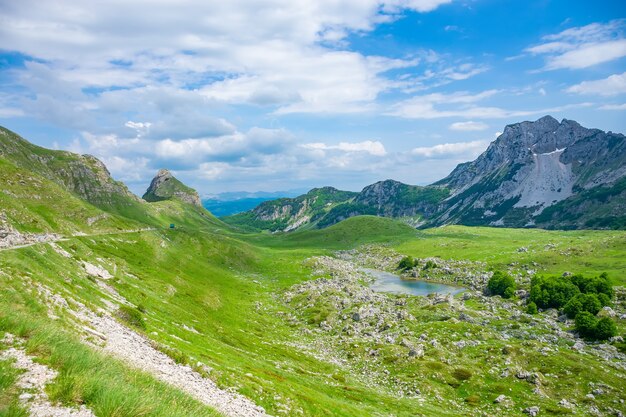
(229, 203)
(545, 173)
(285, 214)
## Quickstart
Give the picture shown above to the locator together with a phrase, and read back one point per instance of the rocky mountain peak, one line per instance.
(161, 177)
(164, 186)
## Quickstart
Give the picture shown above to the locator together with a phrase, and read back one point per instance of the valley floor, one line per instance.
(211, 322)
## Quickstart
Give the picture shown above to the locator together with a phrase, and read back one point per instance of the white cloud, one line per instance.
(467, 149)
(371, 147)
(583, 47)
(613, 107)
(588, 55)
(7, 112)
(468, 126)
(610, 86)
(463, 104)
(266, 52)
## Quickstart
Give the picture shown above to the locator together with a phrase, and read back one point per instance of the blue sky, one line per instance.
(275, 95)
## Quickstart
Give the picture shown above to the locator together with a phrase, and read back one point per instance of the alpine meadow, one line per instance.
(460, 251)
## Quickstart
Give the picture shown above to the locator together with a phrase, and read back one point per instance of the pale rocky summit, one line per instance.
(165, 186)
(532, 166)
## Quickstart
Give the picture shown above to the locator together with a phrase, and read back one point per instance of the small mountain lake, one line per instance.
(387, 282)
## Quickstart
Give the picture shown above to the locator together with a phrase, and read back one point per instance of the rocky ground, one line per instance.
(394, 342)
(11, 238)
(33, 383)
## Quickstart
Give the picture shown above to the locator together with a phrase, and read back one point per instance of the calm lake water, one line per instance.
(386, 282)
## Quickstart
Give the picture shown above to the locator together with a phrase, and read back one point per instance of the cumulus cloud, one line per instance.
(582, 47)
(610, 86)
(268, 52)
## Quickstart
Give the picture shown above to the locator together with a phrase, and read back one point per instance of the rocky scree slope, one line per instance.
(165, 186)
(533, 166)
(545, 173)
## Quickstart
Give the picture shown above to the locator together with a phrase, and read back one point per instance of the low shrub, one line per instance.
(588, 326)
(131, 316)
(585, 324)
(501, 284)
(407, 263)
(551, 292)
(582, 302)
(605, 329)
(462, 374)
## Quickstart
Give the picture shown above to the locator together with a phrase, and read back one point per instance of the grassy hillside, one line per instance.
(32, 203)
(227, 288)
(286, 320)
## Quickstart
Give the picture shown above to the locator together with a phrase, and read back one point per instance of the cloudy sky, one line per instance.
(282, 94)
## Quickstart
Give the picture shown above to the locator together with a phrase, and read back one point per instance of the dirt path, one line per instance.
(31, 240)
(137, 351)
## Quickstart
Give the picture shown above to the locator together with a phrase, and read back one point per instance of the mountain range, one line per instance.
(546, 174)
(107, 309)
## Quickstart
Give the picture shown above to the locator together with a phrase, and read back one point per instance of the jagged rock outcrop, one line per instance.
(83, 175)
(165, 186)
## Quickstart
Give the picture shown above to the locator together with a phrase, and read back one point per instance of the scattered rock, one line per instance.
(96, 271)
(565, 403)
(532, 411)
(34, 380)
(500, 399)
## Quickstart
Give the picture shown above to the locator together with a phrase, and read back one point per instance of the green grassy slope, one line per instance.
(215, 296)
(32, 203)
(82, 175)
(225, 287)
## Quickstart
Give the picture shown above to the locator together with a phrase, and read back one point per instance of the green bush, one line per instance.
(509, 292)
(604, 299)
(585, 324)
(582, 302)
(605, 329)
(531, 308)
(596, 285)
(502, 284)
(131, 316)
(429, 265)
(552, 292)
(407, 263)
